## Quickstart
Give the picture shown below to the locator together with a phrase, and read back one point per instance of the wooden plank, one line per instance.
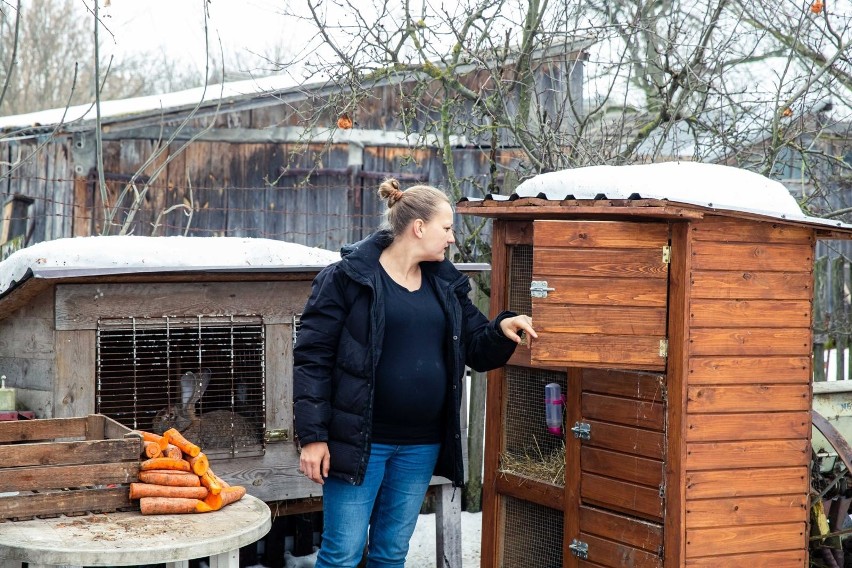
(41, 430)
(602, 292)
(746, 482)
(748, 398)
(750, 313)
(29, 337)
(573, 459)
(613, 263)
(601, 234)
(733, 540)
(74, 384)
(624, 351)
(727, 230)
(83, 201)
(531, 490)
(641, 414)
(68, 453)
(764, 510)
(752, 285)
(748, 454)
(635, 441)
(60, 477)
(752, 256)
(759, 369)
(80, 306)
(519, 233)
(279, 366)
(629, 531)
(636, 500)
(751, 341)
(747, 426)
(783, 559)
(643, 386)
(611, 554)
(76, 501)
(633, 469)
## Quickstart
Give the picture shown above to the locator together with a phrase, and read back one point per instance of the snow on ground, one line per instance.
(421, 553)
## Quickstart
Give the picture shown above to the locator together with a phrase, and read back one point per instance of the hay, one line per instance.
(532, 464)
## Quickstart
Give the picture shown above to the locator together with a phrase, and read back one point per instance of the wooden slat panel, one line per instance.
(746, 482)
(748, 426)
(733, 455)
(732, 540)
(625, 351)
(737, 230)
(750, 313)
(758, 257)
(613, 263)
(765, 370)
(713, 341)
(747, 398)
(610, 291)
(74, 384)
(58, 477)
(765, 510)
(77, 501)
(531, 490)
(635, 500)
(642, 414)
(629, 531)
(783, 559)
(68, 453)
(600, 320)
(634, 469)
(601, 234)
(644, 386)
(615, 555)
(636, 441)
(752, 285)
(40, 430)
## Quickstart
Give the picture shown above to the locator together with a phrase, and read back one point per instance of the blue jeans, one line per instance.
(388, 502)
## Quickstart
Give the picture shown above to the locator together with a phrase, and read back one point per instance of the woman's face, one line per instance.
(438, 233)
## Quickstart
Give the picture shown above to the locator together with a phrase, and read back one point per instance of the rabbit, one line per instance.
(208, 430)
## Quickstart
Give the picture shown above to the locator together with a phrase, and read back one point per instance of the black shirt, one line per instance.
(411, 376)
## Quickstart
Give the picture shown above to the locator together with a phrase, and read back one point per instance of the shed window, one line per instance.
(147, 369)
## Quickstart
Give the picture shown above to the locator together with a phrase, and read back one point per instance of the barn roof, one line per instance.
(699, 186)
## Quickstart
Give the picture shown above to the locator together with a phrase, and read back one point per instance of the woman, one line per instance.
(379, 361)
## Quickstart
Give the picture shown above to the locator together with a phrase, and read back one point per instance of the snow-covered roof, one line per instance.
(135, 254)
(712, 186)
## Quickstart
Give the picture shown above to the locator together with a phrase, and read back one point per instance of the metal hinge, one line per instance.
(582, 431)
(281, 435)
(664, 348)
(667, 254)
(662, 491)
(539, 289)
(579, 549)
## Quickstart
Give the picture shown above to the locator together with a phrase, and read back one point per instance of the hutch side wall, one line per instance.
(747, 427)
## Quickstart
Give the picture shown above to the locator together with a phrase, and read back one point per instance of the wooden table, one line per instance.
(129, 538)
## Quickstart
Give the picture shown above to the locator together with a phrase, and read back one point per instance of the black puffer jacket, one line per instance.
(340, 342)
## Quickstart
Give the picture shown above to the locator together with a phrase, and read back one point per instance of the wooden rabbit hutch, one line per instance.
(673, 307)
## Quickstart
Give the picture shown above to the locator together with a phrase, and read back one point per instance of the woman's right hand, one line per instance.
(314, 461)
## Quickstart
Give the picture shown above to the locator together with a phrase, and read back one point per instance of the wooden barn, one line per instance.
(673, 304)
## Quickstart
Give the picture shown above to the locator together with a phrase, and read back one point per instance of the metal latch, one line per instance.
(579, 549)
(281, 435)
(664, 348)
(667, 254)
(539, 289)
(582, 431)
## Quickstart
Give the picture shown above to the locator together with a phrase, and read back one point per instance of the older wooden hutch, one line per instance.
(673, 307)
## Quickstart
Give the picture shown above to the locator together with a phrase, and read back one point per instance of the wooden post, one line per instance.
(820, 331)
(448, 546)
(476, 428)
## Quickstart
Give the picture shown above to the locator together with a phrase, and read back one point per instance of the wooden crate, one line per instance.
(66, 466)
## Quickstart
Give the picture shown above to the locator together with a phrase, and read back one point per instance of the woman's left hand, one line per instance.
(514, 328)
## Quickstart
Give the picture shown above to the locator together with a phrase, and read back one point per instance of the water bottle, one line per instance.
(553, 408)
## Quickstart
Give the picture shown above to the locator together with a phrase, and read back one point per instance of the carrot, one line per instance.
(226, 497)
(156, 438)
(199, 464)
(165, 463)
(139, 490)
(170, 477)
(208, 481)
(176, 438)
(152, 449)
(171, 506)
(173, 451)
(219, 480)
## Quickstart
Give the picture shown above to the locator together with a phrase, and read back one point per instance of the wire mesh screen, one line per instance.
(520, 276)
(532, 535)
(204, 376)
(530, 448)
(297, 325)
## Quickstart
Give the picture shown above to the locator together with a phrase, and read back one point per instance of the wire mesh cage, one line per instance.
(520, 276)
(531, 449)
(202, 375)
(532, 535)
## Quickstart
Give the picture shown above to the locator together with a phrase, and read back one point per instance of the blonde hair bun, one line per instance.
(389, 191)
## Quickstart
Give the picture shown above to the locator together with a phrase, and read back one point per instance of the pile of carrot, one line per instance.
(175, 477)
